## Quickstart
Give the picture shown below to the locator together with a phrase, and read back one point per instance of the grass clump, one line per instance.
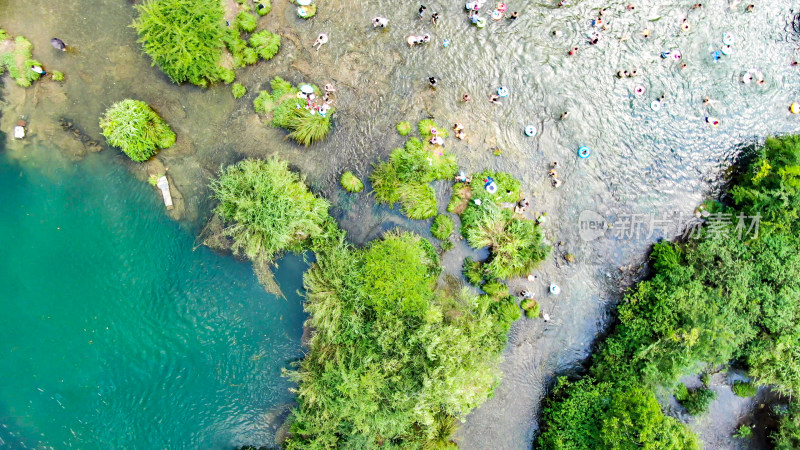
(473, 271)
(246, 22)
(266, 208)
(284, 109)
(19, 61)
(426, 127)
(184, 38)
(135, 128)
(743, 432)
(238, 90)
(442, 227)
(495, 289)
(532, 308)
(351, 183)
(57, 76)
(508, 187)
(187, 38)
(393, 359)
(263, 7)
(515, 244)
(696, 401)
(744, 388)
(404, 128)
(265, 44)
(405, 177)
(462, 193)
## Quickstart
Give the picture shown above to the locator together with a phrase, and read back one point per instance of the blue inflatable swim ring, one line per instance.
(584, 152)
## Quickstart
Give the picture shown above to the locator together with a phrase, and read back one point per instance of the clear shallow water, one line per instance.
(116, 334)
(643, 161)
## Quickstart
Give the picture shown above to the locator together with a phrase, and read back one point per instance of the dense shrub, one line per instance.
(267, 209)
(266, 44)
(405, 177)
(588, 415)
(135, 128)
(393, 361)
(238, 90)
(404, 128)
(696, 401)
(787, 437)
(515, 244)
(442, 227)
(184, 38)
(744, 388)
(284, 109)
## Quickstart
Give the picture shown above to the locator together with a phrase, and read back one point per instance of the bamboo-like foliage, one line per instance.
(267, 209)
(246, 22)
(266, 44)
(515, 244)
(19, 61)
(238, 90)
(184, 38)
(290, 113)
(405, 177)
(442, 227)
(135, 128)
(393, 361)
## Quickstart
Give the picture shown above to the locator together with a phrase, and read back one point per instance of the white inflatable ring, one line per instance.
(655, 105)
(530, 131)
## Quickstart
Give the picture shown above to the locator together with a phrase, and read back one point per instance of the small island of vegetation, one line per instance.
(300, 112)
(16, 56)
(405, 178)
(134, 127)
(187, 39)
(489, 218)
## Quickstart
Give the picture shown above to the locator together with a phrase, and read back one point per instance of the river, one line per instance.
(644, 162)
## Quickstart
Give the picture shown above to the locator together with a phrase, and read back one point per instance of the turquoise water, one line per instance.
(116, 333)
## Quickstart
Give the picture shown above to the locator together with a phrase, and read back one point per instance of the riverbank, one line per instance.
(642, 163)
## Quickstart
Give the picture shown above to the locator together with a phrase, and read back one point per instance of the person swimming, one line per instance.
(58, 44)
(433, 81)
(466, 98)
(380, 22)
(321, 39)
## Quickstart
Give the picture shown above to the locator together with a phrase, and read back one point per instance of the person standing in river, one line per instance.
(422, 9)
